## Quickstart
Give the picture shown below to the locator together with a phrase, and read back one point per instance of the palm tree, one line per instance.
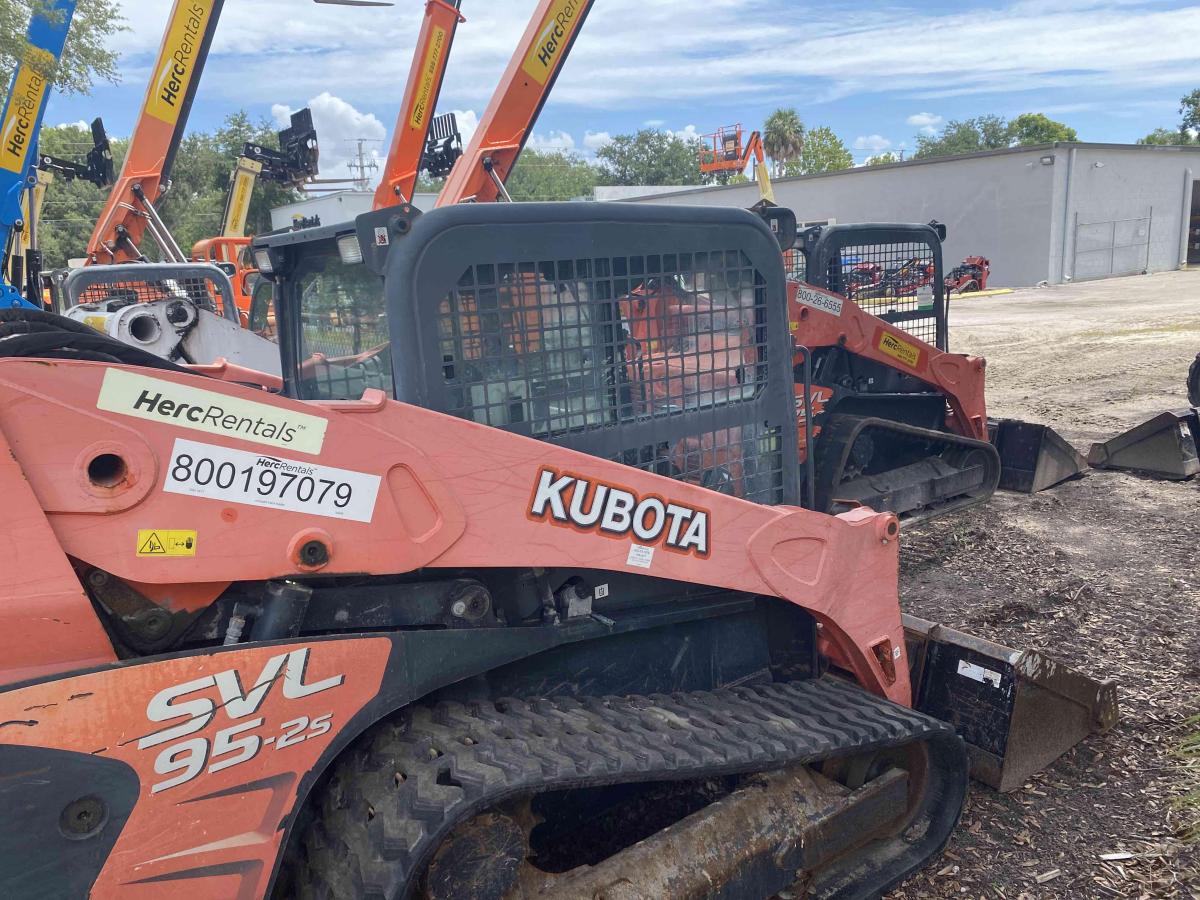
(783, 137)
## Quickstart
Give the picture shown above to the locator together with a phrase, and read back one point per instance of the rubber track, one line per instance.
(394, 796)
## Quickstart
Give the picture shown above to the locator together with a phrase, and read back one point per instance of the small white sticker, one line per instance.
(382, 238)
(256, 479)
(978, 673)
(640, 556)
(895, 653)
(601, 592)
(818, 299)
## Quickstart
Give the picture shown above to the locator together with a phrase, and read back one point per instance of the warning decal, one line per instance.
(165, 542)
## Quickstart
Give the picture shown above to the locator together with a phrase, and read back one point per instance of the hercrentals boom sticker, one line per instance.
(588, 504)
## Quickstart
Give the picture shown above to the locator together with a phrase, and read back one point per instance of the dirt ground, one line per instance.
(1103, 572)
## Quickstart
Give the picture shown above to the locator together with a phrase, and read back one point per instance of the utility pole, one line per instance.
(363, 165)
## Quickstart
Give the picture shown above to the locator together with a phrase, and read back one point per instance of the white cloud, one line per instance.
(271, 51)
(85, 126)
(924, 119)
(873, 142)
(688, 133)
(468, 121)
(654, 123)
(552, 141)
(594, 140)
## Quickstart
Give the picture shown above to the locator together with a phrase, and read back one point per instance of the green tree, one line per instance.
(1189, 108)
(650, 157)
(823, 152)
(1035, 128)
(85, 59)
(71, 207)
(783, 137)
(967, 136)
(551, 175)
(1165, 137)
(882, 159)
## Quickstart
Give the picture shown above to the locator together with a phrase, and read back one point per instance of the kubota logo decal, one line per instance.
(28, 93)
(555, 33)
(588, 504)
(177, 64)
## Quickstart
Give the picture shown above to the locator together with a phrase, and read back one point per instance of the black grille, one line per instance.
(586, 345)
(674, 358)
(113, 287)
(891, 271)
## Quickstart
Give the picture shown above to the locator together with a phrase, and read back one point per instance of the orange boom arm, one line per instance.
(147, 169)
(515, 106)
(420, 98)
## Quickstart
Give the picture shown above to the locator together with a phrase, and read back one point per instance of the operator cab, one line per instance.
(667, 360)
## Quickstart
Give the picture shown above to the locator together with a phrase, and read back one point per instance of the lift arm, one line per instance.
(410, 136)
(19, 126)
(514, 108)
(147, 169)
(293, 163)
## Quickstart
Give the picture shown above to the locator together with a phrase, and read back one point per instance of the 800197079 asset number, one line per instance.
(256, 479)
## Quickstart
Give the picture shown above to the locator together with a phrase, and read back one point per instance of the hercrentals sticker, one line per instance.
(177, 62)
(429, 68)
(588, 504)
(131, 394)
(28, 92)
(552, 39)
(897, 348)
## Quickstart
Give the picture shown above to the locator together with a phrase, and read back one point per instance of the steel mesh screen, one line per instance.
(658, 358)
(895, 281)
(113, 294)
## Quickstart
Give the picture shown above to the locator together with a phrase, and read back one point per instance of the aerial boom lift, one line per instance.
(723, 153)
(22, 118)
(508, 120)
(411, 146)
(130, 210)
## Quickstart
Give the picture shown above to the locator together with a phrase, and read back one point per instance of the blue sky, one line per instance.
(876, 73)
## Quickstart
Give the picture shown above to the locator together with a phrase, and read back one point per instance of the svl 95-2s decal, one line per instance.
(200, 701)
(608, 509)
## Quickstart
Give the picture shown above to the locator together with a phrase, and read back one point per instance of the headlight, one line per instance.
(349, 249)
(262, 261)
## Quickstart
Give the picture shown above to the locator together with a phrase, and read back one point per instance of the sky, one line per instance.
(878, 74)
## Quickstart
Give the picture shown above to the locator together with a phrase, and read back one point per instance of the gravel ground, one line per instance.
(1103, 572)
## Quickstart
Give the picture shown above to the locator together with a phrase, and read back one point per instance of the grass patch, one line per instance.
(1189, 803)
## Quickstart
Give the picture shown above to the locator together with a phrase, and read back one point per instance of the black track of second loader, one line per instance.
(394, 798)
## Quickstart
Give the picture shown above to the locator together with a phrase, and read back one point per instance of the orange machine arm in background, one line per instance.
(420, 98)
(514, 108)
(147, 169)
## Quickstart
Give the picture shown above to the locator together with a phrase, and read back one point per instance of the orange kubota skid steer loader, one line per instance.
(469, 608)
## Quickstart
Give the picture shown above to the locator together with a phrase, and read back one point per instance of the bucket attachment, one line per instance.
(1032, 457)
(1018, 711)
(1165, 446)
